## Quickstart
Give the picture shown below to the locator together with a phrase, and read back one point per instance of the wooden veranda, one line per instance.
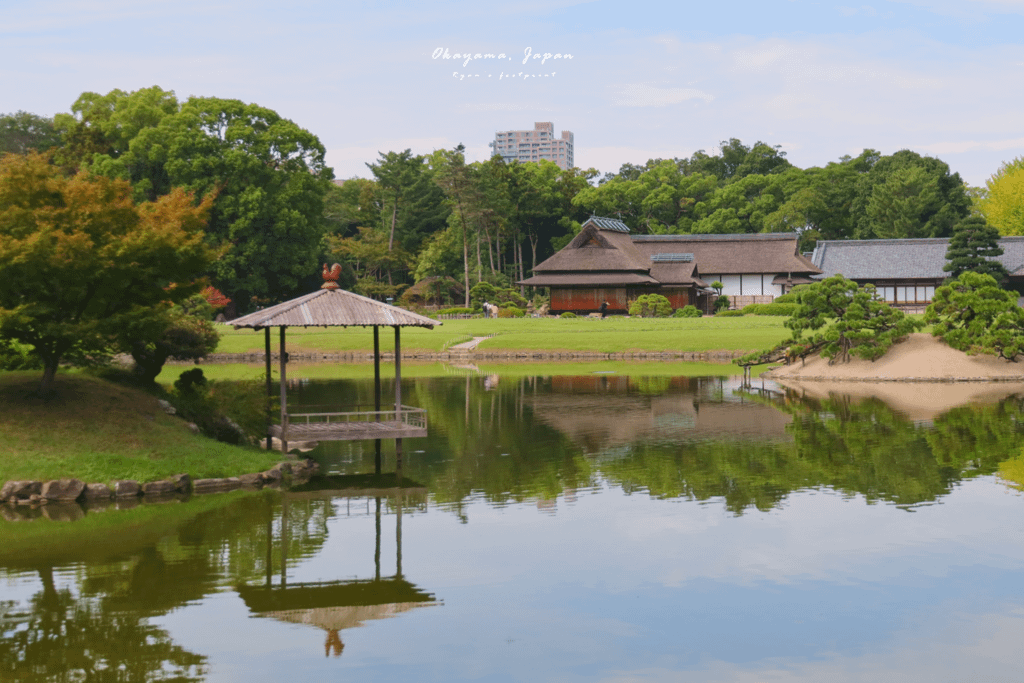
(331, 306)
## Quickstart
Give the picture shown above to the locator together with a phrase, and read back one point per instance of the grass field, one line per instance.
(99, 432)
(611, 335)
(410, 370)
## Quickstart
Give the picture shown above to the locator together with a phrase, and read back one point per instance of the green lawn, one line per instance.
(410, 370)
(99, 432)
(611, 335)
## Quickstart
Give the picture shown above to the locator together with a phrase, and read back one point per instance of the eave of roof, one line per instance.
(332, 308)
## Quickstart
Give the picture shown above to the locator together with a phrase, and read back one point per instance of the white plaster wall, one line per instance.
(753, 284)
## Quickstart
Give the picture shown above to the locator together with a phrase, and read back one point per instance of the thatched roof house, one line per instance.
(605, 263)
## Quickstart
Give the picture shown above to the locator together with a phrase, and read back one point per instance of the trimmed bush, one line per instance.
(721, 303)
(728, 314)
(773, 308)
(689, 311)
(458, 310)
(510, 312)
(651, 306)
(568, 314)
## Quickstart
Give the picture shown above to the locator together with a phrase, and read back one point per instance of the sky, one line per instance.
(632, 80)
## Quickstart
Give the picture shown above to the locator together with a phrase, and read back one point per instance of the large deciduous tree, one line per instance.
(268, 176)
(22, 132)
(1003, 202)
(81, 263)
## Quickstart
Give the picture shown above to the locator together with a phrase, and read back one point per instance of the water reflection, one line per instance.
(684, 518)
(333, 606)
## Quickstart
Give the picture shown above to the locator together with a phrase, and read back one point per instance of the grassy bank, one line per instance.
(611, 335)
(99, 432)
(413, 370)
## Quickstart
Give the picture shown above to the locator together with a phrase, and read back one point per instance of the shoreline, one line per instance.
(719, 356)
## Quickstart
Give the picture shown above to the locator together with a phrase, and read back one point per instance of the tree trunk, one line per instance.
(479, 263)
(49, 371)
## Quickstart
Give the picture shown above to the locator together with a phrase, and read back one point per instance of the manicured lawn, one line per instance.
(611, 335)
(99, 432)
(411, 370)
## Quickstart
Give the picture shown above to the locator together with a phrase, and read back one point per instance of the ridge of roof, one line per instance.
(608, 224)
(742, 237)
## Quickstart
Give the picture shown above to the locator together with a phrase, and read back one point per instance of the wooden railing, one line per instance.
(406, 415)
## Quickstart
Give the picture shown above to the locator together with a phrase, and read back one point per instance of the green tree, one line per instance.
(1003, 203)
(22, 132)
(81, 263)
(267, 175)
(974, 246)
(184, 333)
(907, 195)
(964, 314)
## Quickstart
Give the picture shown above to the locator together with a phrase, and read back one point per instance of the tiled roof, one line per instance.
(899, 259)
(671, 258)
(608, 224)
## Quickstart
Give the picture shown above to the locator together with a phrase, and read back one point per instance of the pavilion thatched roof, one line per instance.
(332, 308)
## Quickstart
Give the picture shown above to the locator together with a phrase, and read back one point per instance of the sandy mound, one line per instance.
(920, 357)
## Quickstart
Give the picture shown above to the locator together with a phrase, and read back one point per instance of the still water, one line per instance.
(592, 528)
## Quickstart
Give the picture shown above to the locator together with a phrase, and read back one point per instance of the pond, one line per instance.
(562, 528)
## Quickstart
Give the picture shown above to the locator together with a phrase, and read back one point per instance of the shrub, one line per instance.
(973, 314)
(510, 311)
(232, 412)
(687, 312)
(458, 310)
(728, 314)
(651, 306)
(773, 308)
(568, 314)
(721, 303)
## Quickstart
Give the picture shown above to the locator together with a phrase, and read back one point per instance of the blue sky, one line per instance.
(646, 79)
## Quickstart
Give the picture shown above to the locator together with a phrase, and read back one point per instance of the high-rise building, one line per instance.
(534, 145)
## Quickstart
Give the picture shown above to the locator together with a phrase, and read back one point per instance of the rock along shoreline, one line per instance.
(68, 499)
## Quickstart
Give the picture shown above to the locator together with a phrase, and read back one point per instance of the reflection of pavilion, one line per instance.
(602, 411)
(337, 605)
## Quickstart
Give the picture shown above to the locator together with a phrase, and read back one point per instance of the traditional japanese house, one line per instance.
(905, 271)
(605, 263)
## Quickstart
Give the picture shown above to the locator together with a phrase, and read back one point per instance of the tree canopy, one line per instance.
(1003, 201)
(81, 263)
(974, 247)
(266, 174)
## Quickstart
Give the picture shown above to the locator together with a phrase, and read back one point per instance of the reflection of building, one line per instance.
(337, 605)
(602, 411)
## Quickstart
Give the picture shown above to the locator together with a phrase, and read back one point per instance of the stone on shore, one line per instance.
(127, 488)
(20, 489)
(98, 492)
(158, 488)
(63, 490)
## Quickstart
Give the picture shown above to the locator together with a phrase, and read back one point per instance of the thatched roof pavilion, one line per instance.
(331, 306)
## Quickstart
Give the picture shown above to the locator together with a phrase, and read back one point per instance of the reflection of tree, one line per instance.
(68, 639)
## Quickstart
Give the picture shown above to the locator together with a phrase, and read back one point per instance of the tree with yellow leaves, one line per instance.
(1003, 203)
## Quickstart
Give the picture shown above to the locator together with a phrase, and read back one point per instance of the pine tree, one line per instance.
(974, 247)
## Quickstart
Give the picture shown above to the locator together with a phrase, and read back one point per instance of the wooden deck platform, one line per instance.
(406, 423)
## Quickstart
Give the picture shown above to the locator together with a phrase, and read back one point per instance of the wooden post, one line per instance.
(398, 400)
(284, 396)
(376, 555)
(284, 539)
(376, 369)
(398, 537)
(266, 339)
(376, 404)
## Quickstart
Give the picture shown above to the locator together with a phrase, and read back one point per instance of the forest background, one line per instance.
(426, 228)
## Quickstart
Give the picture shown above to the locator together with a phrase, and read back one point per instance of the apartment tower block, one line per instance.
(534, 145)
